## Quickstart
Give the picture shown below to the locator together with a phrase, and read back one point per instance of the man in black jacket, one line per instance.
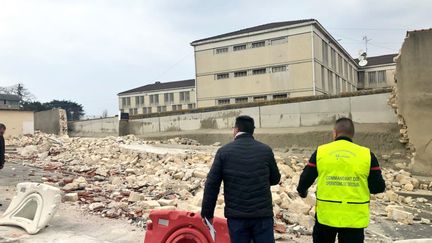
(248, 169)
(347, 174)
(2, 145)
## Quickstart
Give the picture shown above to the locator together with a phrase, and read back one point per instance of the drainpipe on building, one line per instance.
(313, 60)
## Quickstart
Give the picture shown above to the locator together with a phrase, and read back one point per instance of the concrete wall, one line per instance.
(95, 127)
(414, 85)
(362, 109)
(52, 121)
(17, 122)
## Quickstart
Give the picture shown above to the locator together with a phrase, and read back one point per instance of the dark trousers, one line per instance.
(257, 230)
(326, 234)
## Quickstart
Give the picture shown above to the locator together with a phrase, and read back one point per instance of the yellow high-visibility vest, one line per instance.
(342, 187)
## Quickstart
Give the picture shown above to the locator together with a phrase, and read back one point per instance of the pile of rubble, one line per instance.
(103, 177)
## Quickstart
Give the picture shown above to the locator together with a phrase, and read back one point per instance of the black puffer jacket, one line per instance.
(247, 168)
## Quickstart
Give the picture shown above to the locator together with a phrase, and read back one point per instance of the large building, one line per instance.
(9, 102)
(271, 61)
(158, 97)
(266, 62)
(378, 73)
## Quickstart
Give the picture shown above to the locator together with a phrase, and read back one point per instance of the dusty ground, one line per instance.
(70, 225)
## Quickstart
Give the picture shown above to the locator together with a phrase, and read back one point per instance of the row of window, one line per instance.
(240, 100)
(329, 80)
(148, 110)
(343, 67)
(154, 99)
(257, 71)
(256, 44)
(374, 78)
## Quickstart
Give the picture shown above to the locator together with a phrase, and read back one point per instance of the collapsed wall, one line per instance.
(412, 98)
(52, 121)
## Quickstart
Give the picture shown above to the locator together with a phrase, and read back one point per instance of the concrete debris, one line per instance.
(398, 214)
(105, 178)
(70, 197)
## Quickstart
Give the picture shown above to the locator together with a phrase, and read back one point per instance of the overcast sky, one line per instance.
(89, 50)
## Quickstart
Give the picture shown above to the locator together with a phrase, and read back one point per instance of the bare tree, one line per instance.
(105, 114)
(19, 90)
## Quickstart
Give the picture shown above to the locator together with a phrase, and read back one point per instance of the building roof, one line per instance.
(161, 86)
(256, 28)
(9, 97)
(380, 60)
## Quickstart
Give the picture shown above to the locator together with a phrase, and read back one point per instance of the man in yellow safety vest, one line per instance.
(347, 174)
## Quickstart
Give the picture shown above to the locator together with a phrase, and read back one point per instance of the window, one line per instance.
(260, 98)
(338, 79)
(161, 108)
(279, 69)
(323, 76)
(372, 79)
(344, 86)
(280, 96)
(325, 52)
(330, 81)
(258, 44)
(154, 99)
(345, 69)
(259, 71)
(185, 96)
(169, 98)
(126, 101)
(339, 64)
(177, 107)
(146, 110)
(139, 100)
(133, 111)
(222, 75)
(223, 102)
(239, 47)
(240, 74)
(278, 41)
(381, 77)
(241, 100)
(333, 59)
(191, 106)
(221, 50)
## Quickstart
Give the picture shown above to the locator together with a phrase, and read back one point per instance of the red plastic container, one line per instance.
(183, 227)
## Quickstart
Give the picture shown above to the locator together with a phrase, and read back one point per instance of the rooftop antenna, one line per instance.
(366, 40)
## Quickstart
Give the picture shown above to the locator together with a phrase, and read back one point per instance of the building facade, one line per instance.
(17, 122)
(379, 72)
(9, 102)
(271, 61)
(158, 97)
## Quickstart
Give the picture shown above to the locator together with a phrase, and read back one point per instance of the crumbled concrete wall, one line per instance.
(95, 127)
(414, 101)
(51, 121)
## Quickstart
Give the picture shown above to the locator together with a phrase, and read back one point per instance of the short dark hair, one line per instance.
(344, 126)
(2, 126)
(245, 124)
